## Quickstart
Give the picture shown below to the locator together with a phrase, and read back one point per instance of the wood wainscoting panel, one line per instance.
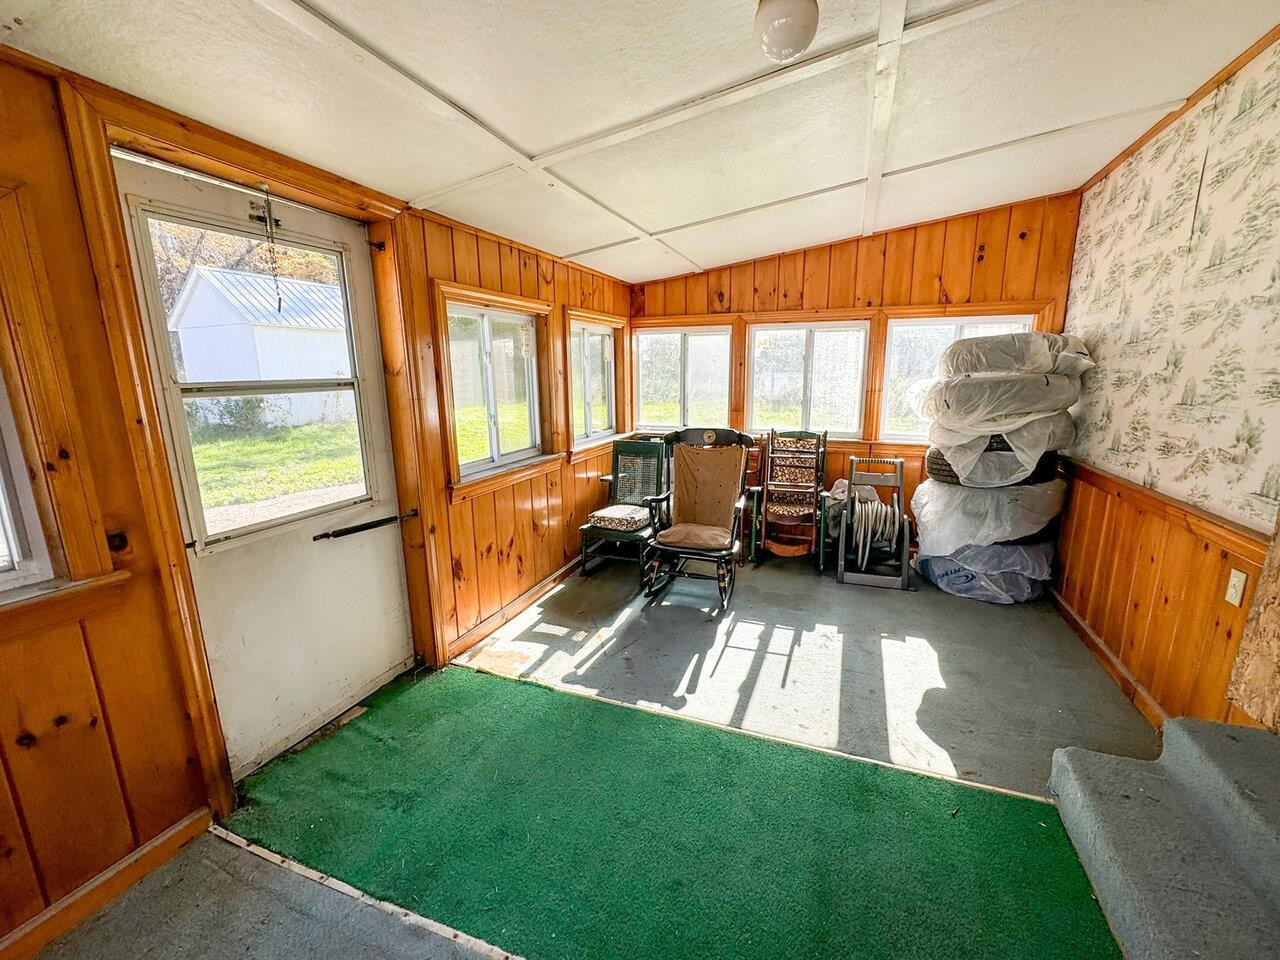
(1142, 579)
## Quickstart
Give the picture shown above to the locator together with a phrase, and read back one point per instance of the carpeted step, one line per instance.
(1168, 882)
(1233, 773)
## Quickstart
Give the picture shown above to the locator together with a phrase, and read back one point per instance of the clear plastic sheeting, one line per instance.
(996, 403)
(978, 467)
(950, 516)
(1025, 352)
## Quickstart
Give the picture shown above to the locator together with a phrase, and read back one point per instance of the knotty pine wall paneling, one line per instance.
(1142, 579)
(490, 547)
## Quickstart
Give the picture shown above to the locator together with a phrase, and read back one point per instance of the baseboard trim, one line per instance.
(54, 921)
(1124, 678)
(474, 945)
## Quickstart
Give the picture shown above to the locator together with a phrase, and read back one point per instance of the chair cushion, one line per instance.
(695, 536)
(620, 516)
(707, 483)
(789, 510)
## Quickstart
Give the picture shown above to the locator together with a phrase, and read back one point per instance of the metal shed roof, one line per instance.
(256, 296)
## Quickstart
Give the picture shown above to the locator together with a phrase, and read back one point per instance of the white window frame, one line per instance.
(685, 333)
(957, 323)
(19, 517)
(583, 328)
(806, 387)
(497, 459)
(174, 392)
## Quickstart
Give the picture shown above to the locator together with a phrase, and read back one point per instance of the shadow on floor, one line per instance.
(921, 679)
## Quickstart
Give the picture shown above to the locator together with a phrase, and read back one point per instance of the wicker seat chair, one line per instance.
(639, 472)
(699, 515)
(791, 480)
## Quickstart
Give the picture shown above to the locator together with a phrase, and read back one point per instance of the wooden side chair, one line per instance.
(698, 517)
(639, 472)
(791, 473)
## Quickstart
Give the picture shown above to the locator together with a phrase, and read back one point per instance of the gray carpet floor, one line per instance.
(216, 901)
(921, 679)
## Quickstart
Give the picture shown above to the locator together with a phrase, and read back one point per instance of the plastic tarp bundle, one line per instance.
(950, 516)
(976, 466)
(1027, 352)
(996, 402)
(998, 573)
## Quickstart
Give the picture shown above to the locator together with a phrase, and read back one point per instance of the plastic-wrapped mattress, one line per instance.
(993, 468)
(996, 402)
(999, 573)
(950, 516)
(1027, 352)
(970, 455)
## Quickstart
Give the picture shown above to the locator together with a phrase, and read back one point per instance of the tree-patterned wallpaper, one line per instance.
(1175, 287)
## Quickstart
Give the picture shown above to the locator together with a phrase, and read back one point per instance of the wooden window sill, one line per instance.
(584, 448)
(504, 476)
(58, 602)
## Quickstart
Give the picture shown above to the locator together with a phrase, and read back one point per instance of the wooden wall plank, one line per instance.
(20, 894)
(504, 513)
(1057, 245)
(791, 281)
(490, 263)
(1022, 256)
(462, 542)
(957, 259)
(766, 284)
(529, 274)
(870, 279)
(926, 263)
(899, 266)
(544, 563)
(509, 258)
(742, 278)
(523, 558)
(817, 277)
(674, 296)
(718, 290)
(842, 290)
(466, 257)
(488, 577)
(992, 242)
(655, 299)
(696, 293)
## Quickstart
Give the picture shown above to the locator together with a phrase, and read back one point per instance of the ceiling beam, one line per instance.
(893, 18)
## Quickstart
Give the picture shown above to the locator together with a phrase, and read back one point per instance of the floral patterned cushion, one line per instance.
(789, 510)
(620, 516)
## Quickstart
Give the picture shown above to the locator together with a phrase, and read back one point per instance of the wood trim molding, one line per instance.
(91, 163)
(41, 930)
(481, 297)
(35, 368)
(580, 315)
(505, 477)
(1219, 78)
(1249, 544)
(64, 604)
(1040, 308)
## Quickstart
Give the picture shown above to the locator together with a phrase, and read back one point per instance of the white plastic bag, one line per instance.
(950, 516)
(995, 402)
(1026, 352)
(953, 577)
(976, 467)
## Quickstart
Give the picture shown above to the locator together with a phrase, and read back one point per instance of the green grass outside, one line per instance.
(278, 462)
(471, 430)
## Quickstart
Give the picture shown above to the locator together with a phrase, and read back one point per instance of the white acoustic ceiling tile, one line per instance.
(245, 69)
(537, 211)
(1033, 168)
(549, 74)
(786, 226)
(636, 261)
(1046, 64)
(792, 141)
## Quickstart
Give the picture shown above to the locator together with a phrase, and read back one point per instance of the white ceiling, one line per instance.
(647, 139)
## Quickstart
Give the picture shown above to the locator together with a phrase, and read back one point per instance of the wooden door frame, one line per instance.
(97, 119)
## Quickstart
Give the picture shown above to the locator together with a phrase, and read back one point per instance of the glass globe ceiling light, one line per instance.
(786, 27)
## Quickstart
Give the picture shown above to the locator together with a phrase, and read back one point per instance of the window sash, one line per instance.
(29, 561)
(176, 391)
(583, 332)
(806, 384)
(496, 456)
(683, 401)
(958, 325)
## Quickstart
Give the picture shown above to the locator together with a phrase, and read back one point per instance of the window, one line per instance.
(591, 379)
(24, 555)
(682, 378)
(493, 373)
(808, 377)
(254, 344)
(914, 349)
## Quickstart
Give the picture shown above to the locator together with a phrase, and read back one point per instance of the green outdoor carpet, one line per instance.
(555, 826)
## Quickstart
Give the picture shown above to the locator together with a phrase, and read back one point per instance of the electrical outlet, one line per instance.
(1235, 587)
